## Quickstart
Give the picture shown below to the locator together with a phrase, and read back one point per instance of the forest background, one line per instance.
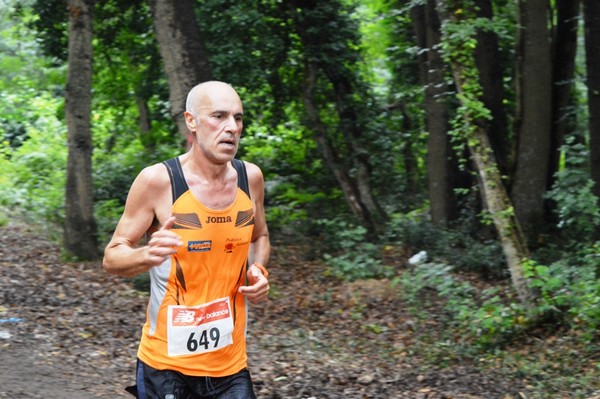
(464, 135)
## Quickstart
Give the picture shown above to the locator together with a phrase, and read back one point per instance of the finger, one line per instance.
(256, 273)
(162, 250)
(256, 285)
(254, 290)
(158, 255)
(165, 240)
(165, 236)
(247, 289)
(258, 298)
(169, 223)
(253, 275)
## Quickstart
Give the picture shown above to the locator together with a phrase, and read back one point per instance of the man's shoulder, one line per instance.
(256, 180)
(154, 175)
(254, 172)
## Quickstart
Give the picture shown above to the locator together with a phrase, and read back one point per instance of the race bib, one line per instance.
(199, 329)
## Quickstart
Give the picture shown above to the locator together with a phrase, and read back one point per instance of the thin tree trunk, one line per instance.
(411, 167)
(80, 235)
(565, 50)
(143, 115)
(495, 196)
(433, 77)
(592, 49)
(498, 204)
(488, 61)
(182, 51)
(535, 121)
(352, 168)
(351, 192)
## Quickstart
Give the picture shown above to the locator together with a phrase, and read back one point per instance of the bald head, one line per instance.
(205, 94)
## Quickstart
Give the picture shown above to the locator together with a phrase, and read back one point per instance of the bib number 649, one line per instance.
(203, 339)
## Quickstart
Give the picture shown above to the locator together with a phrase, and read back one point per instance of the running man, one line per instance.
(206, 256)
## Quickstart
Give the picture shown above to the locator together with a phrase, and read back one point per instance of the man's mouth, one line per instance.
(228, 142)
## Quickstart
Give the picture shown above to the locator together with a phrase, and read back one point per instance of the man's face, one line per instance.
(218, 124)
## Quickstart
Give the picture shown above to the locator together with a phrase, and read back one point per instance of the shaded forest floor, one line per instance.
(69, 330)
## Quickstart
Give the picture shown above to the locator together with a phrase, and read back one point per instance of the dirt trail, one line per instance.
(70, 331)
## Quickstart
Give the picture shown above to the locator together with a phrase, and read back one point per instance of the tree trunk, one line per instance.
(432, 70)
(80, 235)
(534, 121)
(489, 64)
(494, 194)
(143, 115)
(498, 204)
(411, 166)
(591, 10)
(182, 51)
(350, 161)
(565, 49)
(349, 188)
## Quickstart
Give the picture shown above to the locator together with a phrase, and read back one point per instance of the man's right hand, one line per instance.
(163, 243)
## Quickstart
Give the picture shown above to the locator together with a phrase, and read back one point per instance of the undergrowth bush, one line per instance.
(569, 296)
(352, 256)
(459, 247)
(576, 207)
(478, 319)
(33, 174)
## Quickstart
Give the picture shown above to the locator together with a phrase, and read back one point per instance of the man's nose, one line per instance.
(233, 124)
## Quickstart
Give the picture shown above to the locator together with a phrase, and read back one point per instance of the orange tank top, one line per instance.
(196, 319)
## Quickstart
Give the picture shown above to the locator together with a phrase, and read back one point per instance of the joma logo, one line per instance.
(218, 219)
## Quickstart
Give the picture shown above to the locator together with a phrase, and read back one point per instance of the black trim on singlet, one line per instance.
(179, 185)
(242, 176)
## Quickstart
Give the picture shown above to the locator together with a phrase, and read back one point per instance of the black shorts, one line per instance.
(169, 384)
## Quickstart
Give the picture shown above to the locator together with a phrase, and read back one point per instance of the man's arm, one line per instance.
(260, 247)
(122, 256)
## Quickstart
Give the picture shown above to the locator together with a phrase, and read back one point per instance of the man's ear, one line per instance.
(190, 121)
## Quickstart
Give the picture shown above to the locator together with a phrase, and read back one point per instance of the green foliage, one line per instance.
(494, 322)
(32, 136)
(577, 208)
(288, 205)
(128, 75)
(550, 287)
(34, 173)
(113, 174)
(354, 257)
(141, 283)
(456, 245)
(4, 217)
(297, 188)
(569, 288)
(481, 320)
(284, 148)
(458, 48)
(107, 214)
(569, 294)
(274, 44)
(50, 25)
